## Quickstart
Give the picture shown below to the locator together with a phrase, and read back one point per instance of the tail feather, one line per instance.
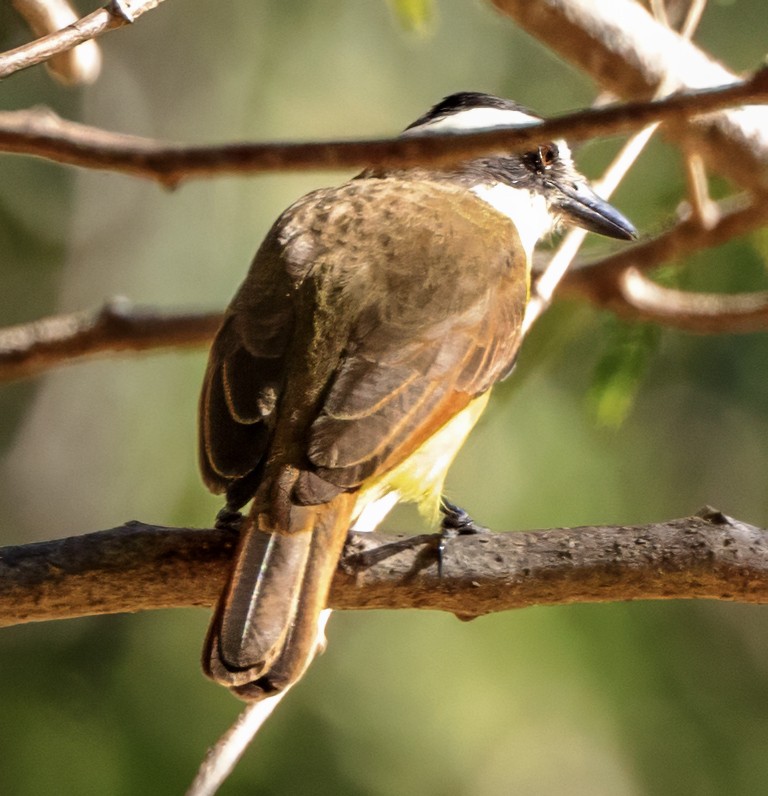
(265, 630)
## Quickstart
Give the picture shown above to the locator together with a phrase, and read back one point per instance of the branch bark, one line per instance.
(113, 15)
(42, 133)
(703, 313)
(30, 348)
(616, 282)
(139, 567)
(627, 52)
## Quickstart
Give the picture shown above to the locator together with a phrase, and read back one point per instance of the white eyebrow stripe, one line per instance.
(477, 119)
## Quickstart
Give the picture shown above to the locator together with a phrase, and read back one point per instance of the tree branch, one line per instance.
(693, 312)
(81, 64)
(140, 567)
(114, 15)
(629, 53)
(615, 282)
(42, 133)
(30, 348)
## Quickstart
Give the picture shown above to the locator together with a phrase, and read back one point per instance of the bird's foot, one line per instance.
(229, 519)
(456, 522)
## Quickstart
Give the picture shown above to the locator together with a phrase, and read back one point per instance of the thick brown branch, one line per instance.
(30, 348)
(626, 51)
(140, 567)
(113, 15)
(41, 133)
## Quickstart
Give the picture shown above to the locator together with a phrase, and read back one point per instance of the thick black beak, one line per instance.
(581, 206)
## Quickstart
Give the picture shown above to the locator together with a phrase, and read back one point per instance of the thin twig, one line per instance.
(694, 312)
(692, 18)
(110, 17)
(704, 208)
(42, 134)
(81, 64)
(223, 756)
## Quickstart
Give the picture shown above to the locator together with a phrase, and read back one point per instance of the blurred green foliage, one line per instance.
(629, 699)
(620, 371)
(415, 16)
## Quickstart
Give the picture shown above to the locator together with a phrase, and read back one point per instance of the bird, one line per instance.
(354, 360)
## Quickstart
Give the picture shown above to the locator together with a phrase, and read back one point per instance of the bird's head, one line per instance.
(539, 188)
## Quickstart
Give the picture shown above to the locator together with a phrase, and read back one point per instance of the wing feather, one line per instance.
(248, 361)
(229, 448)
(430, 319)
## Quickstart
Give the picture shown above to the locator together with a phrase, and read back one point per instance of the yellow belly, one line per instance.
(419, 479)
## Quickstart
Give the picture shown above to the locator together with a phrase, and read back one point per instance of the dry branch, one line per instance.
(141, 567)
(693, 312)
(41, 133)
(114, 15)
(30, 348)
(81, 64)
(629, 53)
(615, 282)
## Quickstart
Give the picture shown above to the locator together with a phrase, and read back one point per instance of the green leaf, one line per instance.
(620, 370)
(414, 16)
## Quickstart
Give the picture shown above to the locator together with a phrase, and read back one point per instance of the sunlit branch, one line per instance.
(224, 755)
(139, 567)
(693, 312)
(113, 15)
(703, 207)
(41, 133)
(627, 52)
(30, 348)
(78, 65)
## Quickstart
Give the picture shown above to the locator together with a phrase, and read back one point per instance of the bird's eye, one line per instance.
(542, 158)
(548, 154)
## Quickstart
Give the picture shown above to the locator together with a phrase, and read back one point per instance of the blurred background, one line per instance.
(623, 699)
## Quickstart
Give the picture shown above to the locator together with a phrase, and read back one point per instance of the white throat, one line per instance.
(527, 210)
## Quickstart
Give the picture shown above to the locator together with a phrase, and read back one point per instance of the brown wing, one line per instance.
(372, 313)
(247, 362)
(438, 324)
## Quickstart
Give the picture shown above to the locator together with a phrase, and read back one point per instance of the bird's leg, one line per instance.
(456, 522)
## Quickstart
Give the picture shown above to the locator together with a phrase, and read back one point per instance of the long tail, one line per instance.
(267, 626)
